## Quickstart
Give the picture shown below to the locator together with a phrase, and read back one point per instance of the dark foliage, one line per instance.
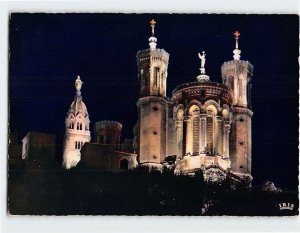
(139, 192)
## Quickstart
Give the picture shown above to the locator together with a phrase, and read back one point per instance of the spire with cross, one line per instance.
(236, 51)
(152, 39)
(236, 34)
(152, 22)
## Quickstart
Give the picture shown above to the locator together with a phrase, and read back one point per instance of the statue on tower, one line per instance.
(202, 77)
(78, 83)
(202, 58)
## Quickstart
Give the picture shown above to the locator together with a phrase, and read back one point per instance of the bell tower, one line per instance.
(237, 74)
(153, 106)
(153, 68)
(77, 132)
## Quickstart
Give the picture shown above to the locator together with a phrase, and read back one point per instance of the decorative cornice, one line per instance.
(242, 111)
(148, 99)
(201, 90)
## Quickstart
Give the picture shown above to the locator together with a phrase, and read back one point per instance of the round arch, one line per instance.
(193, 109)
(123, 164)
(193, 102)
(212, 105)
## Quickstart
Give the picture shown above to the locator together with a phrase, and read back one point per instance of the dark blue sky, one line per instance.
(48, 51)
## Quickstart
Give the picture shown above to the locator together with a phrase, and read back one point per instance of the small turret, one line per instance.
(108, 132)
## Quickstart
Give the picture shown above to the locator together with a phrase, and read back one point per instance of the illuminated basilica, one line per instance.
(203, 127)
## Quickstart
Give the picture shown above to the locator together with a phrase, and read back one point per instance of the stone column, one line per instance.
(202, 125)
(189, 135)
(179, 131)
(218, 135)
(226, 130)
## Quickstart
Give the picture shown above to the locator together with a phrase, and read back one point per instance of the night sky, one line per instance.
(48, 51)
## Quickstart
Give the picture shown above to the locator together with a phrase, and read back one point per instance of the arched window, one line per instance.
(240, 88)
(155, 76)
(179, 129)
(196, 134)
(192, 130)
(75, 145)
(80, 126)
(231, 83)
(209, 131)
(72, 125)
(124, 164)
(77, 125)
(108, 139)
(101, 139)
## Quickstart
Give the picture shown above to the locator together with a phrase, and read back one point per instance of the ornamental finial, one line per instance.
(152, 22)
(237, 35)
(236, 51)
(152, 39)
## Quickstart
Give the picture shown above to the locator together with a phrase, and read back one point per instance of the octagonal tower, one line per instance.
(153, 105)
(236, 75)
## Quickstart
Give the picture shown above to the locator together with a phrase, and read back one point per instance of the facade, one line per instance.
(207, 125)
(203, 127)
(38, 149)
(77, 129)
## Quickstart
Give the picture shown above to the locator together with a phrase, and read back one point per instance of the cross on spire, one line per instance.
(237, 35)
(236, 51)
(152, 22)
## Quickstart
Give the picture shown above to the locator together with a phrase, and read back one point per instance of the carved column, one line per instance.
(218, 135)
(179, 131)
(226, 130)
(202, 126)
(189, 135)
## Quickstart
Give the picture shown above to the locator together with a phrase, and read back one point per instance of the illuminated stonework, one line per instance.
(207, 125)
(77, 129)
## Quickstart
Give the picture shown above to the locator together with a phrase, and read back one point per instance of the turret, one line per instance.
(108, 132)
(237, 75)
(77, 129)
(153, 106)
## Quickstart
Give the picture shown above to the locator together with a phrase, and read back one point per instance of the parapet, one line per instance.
(108, 132)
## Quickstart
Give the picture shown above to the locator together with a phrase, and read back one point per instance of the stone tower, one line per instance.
(77, 129)
(236, 74)
(108, 132)
(153, 106)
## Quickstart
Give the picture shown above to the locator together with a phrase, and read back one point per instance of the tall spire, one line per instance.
(152, 39)
(236, 51)
(78, 85)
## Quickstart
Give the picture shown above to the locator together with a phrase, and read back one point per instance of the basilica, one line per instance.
(203, 127)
